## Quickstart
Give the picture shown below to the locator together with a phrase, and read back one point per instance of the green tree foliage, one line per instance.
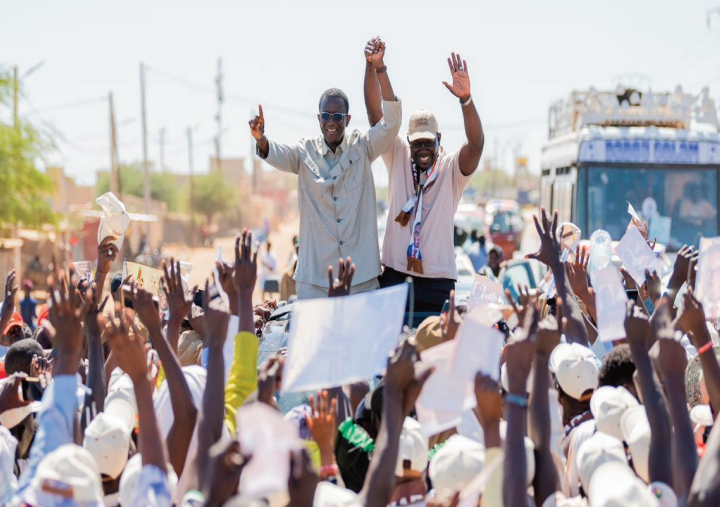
(24, 189)
(132, 179)
(212, 195)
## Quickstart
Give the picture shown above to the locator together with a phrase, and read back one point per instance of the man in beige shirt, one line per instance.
(336, 190)
(425, 187)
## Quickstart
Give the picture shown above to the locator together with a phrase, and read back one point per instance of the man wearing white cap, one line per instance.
(425, 187)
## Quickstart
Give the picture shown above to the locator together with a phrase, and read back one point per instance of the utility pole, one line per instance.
(218, 117)
(146, 165)
(162, 150)
(115, 182)
(16, 119)
(192, 187)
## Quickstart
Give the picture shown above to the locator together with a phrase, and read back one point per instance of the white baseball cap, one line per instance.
(608, 404)
(702, 415)
(596, 451)
(120, 400)
(456, 464)
(635, 429)
(131, 476)
(72, 472)
(108, 440)
(614, 485)
(329, 495)
(422, 125)
(575, 369)
(413, 448)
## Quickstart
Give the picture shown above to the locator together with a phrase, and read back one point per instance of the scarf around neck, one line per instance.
(415, 203)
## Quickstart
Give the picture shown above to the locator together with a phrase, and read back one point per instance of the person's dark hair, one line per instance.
(19, 356)
(42, 336)
(617, 368)
(335, 92)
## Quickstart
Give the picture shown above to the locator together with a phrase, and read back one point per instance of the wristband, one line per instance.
(516, 399)
(328, 471)
(381, 69)
(705, 348)
(467, 102)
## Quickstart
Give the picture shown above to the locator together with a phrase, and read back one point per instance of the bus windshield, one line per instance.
(679, 203)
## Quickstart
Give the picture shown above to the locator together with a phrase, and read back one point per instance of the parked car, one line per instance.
(506, 225)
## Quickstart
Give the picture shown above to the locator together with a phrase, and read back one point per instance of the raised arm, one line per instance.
(212, 410)
(184, 410)
(637, 329)
(473, 147)
(519, 355)
(107, 253)
(539, 425)
(374, 54)
(285, 157)
(402, 388)
(692, 322)
(549, 254)
(96, 356)
(671, 362)
(130, 353)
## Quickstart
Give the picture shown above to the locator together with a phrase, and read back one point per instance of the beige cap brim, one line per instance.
(430, 136)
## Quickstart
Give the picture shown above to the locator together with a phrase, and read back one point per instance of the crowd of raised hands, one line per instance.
(115, 412)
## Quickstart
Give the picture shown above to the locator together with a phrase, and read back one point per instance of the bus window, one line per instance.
(679, 203)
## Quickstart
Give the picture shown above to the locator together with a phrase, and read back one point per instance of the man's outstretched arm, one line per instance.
(472, 150)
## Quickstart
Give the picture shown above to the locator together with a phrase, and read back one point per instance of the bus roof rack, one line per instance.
(629, 107)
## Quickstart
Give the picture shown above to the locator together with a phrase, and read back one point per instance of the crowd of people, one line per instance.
(107, 401)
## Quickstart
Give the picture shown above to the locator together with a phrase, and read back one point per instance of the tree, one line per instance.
(212, 195)
(132, 180)
(24, 189)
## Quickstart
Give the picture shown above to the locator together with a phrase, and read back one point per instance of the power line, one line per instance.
(76, 103)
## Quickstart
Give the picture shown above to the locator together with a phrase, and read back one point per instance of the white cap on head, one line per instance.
(596, 451)
(329, 495)
(120, 400)
(456, 464)
(575, 369)
(702, 415)
(69, 472)
(422, 125)
(608, 404)
(635, 429)
(131, 476)
(108, 440)
(615, 485)
(413, 448)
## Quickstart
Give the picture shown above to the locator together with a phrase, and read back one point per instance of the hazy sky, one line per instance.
(522, 56)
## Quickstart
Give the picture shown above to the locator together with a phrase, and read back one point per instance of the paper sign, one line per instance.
(444, 392)
(660, 228)
(611, 303)
(633, 213)
(708, 277)
(484, 292)
(150, 279)
(264, 435)
(83, 270)
(478, 349)
(336, 341)
(433, 422)
(637, 256)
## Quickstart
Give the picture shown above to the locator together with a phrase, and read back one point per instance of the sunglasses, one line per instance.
(336, 117)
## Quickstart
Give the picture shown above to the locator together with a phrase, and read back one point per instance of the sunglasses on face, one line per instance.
(419, 145)
(336, 117)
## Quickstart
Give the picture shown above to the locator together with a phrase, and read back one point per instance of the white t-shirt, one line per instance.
(439, 207)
